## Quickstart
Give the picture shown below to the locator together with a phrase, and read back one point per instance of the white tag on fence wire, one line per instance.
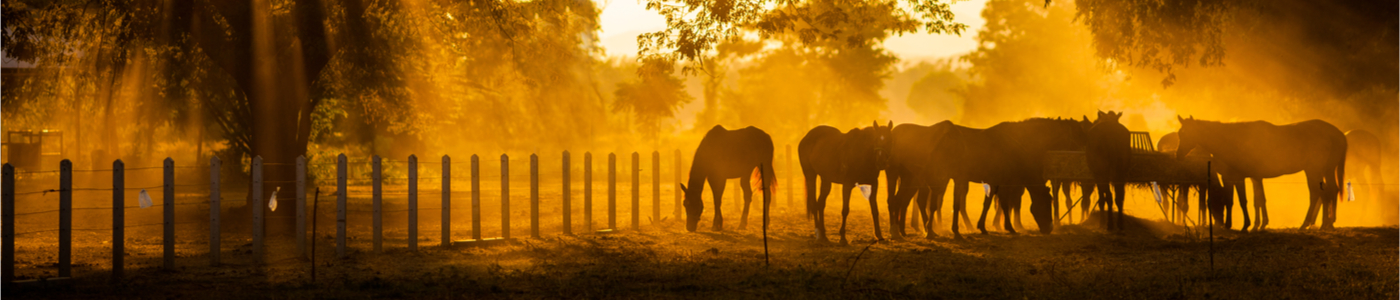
(986, 189)
(272, 203)
(1351, 194)
(1157, 192)
(864, 190)
(145, 199)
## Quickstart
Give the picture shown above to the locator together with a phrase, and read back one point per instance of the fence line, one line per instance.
(375, 179)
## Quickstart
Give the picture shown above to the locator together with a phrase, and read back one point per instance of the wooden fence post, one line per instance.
(636, 191)
(378, 203)
(612, 191)
(341, 174)
(118, 219)
(65, 219)
(258, 209)
(169, 190)
(588, 191)
(476, 198)
(8, 207)
(446, 200)
(505, 197)
(680, 196)
(655, 187)
(214, 200)
(412, 202)
(301, 206)
(534, 196)
(568, 220)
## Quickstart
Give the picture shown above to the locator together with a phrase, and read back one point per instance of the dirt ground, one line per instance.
(1149, 260)
(1152, 259)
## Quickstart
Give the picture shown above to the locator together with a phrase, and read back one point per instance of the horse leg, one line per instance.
(717, 187)
(933, 207)
(897, 212)
(959, 204)
(1055, 200)
(1105, 195)
(917, 214)
(1040, 208)
(986, 206)
(899, 204)
(1314, 192)
(875, 209)
(1329, 200)
(845, 209)
(996, 210)
(1238, 186)
(809, 183)
(819, 211)
(1261, 212)
(1086, 203)
(1010, 200)
(747, 188)
(1118, 196)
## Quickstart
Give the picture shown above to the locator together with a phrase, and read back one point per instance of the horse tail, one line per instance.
(1341, 173)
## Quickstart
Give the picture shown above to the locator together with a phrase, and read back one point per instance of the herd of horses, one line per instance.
(1009, 159)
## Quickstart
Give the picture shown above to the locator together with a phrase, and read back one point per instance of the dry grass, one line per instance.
(1150, 260)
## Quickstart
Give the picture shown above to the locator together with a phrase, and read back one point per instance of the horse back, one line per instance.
(732, 153)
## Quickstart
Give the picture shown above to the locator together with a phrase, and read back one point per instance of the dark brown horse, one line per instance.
(850, 159)
(912, 151)
(1364, 151)
(1009, 155)
(1221, 192)
(1261, 150)
(725, 154)
(1108, 153)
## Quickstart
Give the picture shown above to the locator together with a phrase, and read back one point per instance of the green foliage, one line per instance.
(655, 95)
(1156, 34)
(695, 28)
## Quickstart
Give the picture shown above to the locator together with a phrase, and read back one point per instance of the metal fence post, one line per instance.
(257, 207)
(341, 174)
(301, 206)
(505, 197)
(118, 218)
(8, 206)
(446, 200)
(169, 190)
(476, 198)
(534, 196)
(636, 191)
(412, 203)
(378, 203)
(612, 191)
(65, 218)
(655, 187)
(214, 236)
(588, 191)
(568, 220)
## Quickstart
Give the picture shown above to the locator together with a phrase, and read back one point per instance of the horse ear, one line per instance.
(875, 124)
(1179, 119)
(1101, 114)
(891, 124)
(1086, 118)
(682, 186)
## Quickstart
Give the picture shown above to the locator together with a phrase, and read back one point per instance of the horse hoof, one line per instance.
(844, 242)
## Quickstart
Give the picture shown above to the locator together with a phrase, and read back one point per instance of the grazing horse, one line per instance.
(725, 154)
(850, 159)
(1009, 155)
(1221, 191)
(1261, 150)
(1108, 153)
(912, 152)
(1365, 148)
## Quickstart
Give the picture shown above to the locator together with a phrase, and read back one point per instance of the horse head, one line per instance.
(1188, 137)
(883, 142)
(693, 206)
